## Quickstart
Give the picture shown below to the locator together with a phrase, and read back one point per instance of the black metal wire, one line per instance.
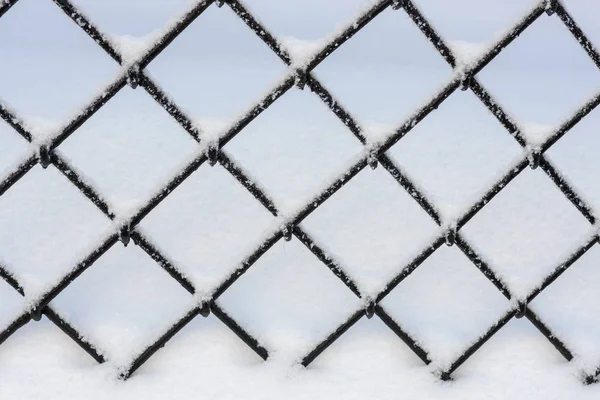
(135, 76)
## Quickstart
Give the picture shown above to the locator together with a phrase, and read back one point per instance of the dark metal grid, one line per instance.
(374, 153)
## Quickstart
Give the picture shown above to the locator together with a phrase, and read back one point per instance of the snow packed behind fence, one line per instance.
(42, 297)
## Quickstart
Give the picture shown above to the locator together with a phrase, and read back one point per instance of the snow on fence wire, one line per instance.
(212, 150)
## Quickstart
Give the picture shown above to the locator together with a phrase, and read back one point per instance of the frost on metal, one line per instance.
(135, 54)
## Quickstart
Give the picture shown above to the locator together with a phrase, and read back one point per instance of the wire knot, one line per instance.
(36, 313)
(465, 82)
(370, 307)
(44, 156)
(521, 309)
(550, 7)
(398, 4)
(300, 78)
(373, 159)
(450, 236)
(534, 158)
(125, 234)
(133, 76)
(212, 153)
(287, 232)
(205, 309)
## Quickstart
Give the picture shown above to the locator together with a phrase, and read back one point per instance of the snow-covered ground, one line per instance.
(215, 71)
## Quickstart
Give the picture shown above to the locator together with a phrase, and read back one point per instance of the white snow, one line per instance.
(133, 48)
(302, 50)
(537, 134)
(467, 53)
(216, 71)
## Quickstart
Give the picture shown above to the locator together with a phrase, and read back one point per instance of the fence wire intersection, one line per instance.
(375, 153)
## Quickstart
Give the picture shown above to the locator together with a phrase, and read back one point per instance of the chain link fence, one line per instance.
(215, 153)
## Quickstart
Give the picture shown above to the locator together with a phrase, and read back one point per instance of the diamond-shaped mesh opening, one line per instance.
(59, 66)
(227, 68)
(303, 19)
(216, 349)
(517, 350)
(123, 303)
(129, 147)
(542, 86)
(575, 315)
(12, 303)
(386, 71)
(472, 22)
(13, 149)
(289, 300)
(41, 349)
(46, 227)
(373, 227)
(527, 230)
(576, 157)
(465, 304)
(133, 17)
(456, 153)
(370, 344)
(208, 225)
(294, 147)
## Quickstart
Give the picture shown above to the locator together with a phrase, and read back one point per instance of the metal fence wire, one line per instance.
(375, 153)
